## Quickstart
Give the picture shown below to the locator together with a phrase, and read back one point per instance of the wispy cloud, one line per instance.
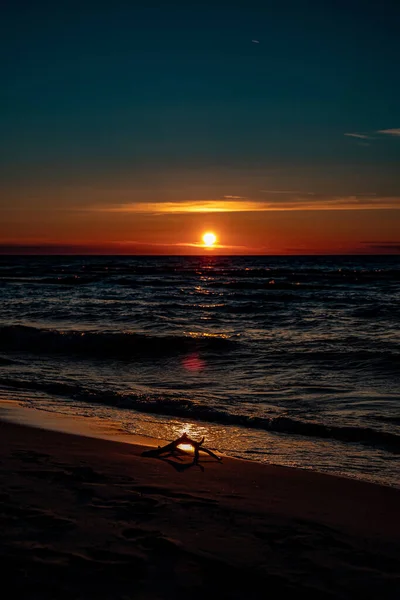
(392, 132)
(280, 191)
(360, 136)
(123, 247)
(384, 245)
(295, 202)
(177, 245)
(288, 192)
(190, 206)
(364, 136)
(235, 197)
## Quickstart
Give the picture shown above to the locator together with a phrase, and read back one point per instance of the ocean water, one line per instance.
(286, 360)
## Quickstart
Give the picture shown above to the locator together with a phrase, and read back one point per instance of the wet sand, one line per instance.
(90, 518)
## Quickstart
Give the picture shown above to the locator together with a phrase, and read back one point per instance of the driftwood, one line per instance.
(173, 448)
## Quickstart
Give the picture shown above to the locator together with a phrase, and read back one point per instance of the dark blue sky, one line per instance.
(182, 82)
(113, 92)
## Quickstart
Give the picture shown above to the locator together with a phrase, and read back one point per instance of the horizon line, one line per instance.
(205, 255)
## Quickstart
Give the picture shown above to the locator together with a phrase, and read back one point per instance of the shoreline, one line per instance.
(109, 429)
(90, 427)
(88, 517)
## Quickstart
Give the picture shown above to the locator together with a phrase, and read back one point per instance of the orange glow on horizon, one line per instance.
(277, 232)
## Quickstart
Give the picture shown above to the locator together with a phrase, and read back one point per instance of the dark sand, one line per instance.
(89, 518)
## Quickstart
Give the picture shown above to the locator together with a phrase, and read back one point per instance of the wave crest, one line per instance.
(108, 344)
(181, 407)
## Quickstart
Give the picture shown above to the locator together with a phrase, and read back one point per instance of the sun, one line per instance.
(209, 239)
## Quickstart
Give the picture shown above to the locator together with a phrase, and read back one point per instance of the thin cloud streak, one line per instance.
(198, 245)
(384, 245)
(284, 192)
(392, 132)
(360, 136)
(299, 203)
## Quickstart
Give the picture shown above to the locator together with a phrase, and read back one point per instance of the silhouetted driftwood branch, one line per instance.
(173, 448)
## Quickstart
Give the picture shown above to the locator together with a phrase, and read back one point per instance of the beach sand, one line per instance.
(90, 518)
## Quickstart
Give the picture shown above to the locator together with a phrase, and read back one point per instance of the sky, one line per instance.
(134, 127)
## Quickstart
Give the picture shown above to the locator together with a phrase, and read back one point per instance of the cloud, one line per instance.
(363, 136)
(122, 248)
(255, 41)
(385, 245)
(53, 248)
(360, 136)
(392, 132)
(286, 192)
(296, 202)
(235, 197)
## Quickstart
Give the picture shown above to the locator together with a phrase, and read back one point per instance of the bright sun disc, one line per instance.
(209, 239)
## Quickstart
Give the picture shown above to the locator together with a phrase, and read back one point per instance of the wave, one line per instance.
(395, 420)
(345, 353)
(240, 277)
(344, 358)
(221, 307)
(107, 344)
(377, 311)
(7, 361)
(266, 297)
(271, 284)
(367, 312)
(177, 407)
(294, 269)
(67, 280)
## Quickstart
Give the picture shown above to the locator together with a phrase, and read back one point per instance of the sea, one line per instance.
(284, 360)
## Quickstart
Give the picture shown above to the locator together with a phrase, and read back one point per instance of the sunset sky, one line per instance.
(134, 127)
